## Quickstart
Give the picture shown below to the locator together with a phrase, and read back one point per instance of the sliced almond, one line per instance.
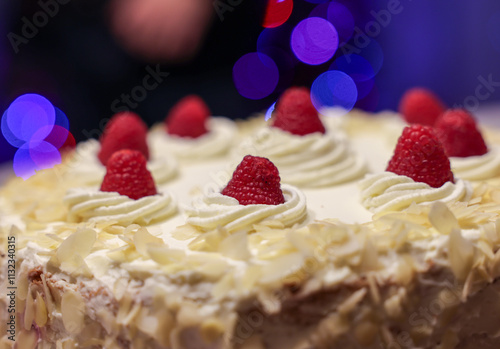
(442, 218)
(73, 312)
(40, 311)
(142, 238)
(460, 255)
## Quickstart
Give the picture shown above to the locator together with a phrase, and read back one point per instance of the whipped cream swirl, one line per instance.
(97, 206)
(87, 169)
(313, 160)
(216, 210)
(214, 143)
(388, 191)
(476, 168)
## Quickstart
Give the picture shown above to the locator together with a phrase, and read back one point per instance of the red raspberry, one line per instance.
(420, 156)
(421, 106)
(296, 114)
(188, 118)
(458, 132)
(255, 181)
(126, 173)
(125, 130)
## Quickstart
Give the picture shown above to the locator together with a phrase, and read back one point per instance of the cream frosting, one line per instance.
(86, 167)
(313, 160)
(387, 191)
(97, 206)
(476, 168)
(214, 143)
(216, 210)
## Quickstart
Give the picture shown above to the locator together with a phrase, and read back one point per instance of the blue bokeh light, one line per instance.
(374, 54)
(314, 40)
(33, 125)
(23, 165)
(255, 75)
(334, 89)
(269, 112)
(339, 16)
(359, 69)
(26, 116)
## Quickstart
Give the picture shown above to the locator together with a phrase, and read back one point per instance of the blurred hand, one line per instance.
(165, 30)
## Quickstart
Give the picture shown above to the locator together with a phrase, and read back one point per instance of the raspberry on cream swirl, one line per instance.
(216, 210)
(97, 206)
(213, 143)
(86, 167)
(388, 191)
(312, 160)
(476, 168)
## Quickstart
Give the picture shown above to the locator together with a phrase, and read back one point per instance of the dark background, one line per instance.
(75, 61)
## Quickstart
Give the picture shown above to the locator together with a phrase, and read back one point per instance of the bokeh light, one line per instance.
(314, 40)
(33, 125)
(255, 75)
(269, 112)
(334, 89)
(277, 13)
(339, 16)
(25, 116)
(44, 155)
(359, 69)
(23, 165)
(372, 53)
(355, 66)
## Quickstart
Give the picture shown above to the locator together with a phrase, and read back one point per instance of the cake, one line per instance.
(190, 267)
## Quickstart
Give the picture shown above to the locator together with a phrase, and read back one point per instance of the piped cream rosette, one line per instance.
(216, 142)
(87, 205)
(313, 160)
(477, 168)
(86, 168)
(388, 191)
(215, 210)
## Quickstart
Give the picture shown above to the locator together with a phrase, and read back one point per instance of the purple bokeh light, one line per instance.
(339, 16)
(314, 40)
(44, 155)
(255, 75)
(334, 89)
(38, 129)
(25, 116)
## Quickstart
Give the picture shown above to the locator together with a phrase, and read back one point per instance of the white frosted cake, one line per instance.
(354, 256)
